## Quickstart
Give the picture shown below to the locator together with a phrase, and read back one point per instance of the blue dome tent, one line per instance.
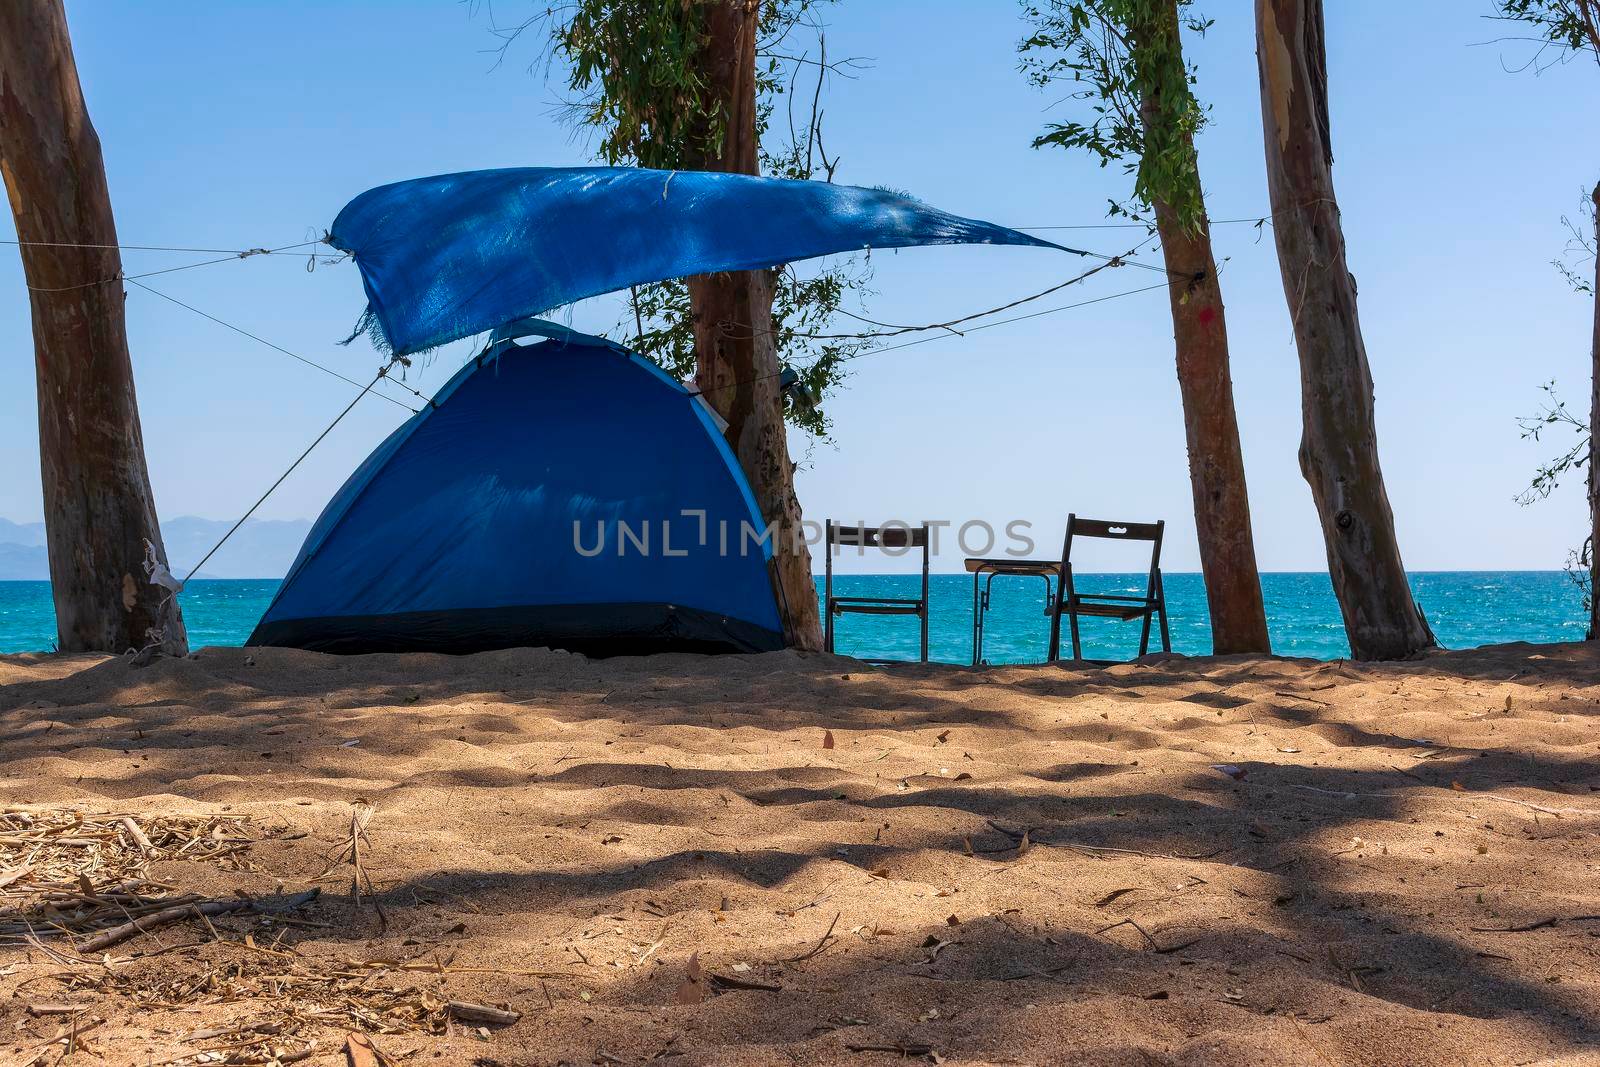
(567, 494)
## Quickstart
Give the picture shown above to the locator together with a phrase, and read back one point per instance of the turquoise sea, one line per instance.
(1466, 608)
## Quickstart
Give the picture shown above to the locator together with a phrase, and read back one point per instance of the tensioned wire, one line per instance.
(937, 337)
(949, 326)
(232, 255)
(279, 348)
(285, 250)
(891, 330)
(382, 373)
(237, 253)
(385, 370)
(124, 276)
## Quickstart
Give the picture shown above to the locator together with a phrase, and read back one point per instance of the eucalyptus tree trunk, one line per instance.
(1594, 436)
(736, 357)
(1339, 446)
(1211, 425)
(99, 513)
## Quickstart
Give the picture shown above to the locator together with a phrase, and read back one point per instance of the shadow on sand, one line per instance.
(1222, 860)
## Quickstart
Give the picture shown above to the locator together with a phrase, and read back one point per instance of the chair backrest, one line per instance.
(1115, 531)
(877, 536)
(882, 537)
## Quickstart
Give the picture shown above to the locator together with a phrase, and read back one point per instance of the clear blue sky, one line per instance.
(252, 123)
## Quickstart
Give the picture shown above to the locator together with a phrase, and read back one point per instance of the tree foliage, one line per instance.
(803, 307)
(1117, 55)
(1576, 261)
(630, 67)
(1554, 415)
(1569, 27)
(1576, 264)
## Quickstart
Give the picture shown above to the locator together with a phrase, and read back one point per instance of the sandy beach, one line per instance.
(788, 859)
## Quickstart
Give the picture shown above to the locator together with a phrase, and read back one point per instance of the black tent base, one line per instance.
(596, 630)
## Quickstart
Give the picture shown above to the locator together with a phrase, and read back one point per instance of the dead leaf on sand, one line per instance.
(692, 990)
(827, 739)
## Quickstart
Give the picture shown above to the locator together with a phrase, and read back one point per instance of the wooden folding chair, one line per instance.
(1071, 603)
(880, 537)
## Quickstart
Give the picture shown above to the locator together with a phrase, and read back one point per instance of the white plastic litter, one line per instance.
(157, 572)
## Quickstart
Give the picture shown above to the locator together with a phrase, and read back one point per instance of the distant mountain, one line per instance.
(22, 563)
(21, 533)
(263, 548)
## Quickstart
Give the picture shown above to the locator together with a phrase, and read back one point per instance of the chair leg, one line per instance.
(828, 626)
(1054, 652)
(924, 616)
(1077, 642)
(977, 623)
(1144, 634)
(1166, 638)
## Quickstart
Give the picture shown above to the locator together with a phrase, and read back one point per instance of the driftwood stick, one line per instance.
(469, 1012)
(819, 946)
(137, 834)
(118, 934)
(1520, 928)
(722, 982)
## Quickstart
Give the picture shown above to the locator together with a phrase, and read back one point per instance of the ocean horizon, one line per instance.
(1466, 609)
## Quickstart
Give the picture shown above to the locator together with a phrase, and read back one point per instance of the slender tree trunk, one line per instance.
(1339, 448)
(1594, 434)
(737, 361)
(1211, 426)
(99, 512)
(1216, 461)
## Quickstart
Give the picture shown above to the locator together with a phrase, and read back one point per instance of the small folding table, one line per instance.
(985, 571)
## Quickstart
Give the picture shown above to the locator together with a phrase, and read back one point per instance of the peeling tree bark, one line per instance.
(1594, 436)
(736, 360)
(1339, 448)
(99, 511)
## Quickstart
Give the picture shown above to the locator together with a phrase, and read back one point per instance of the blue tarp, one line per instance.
(566, 493)
(458, 254)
